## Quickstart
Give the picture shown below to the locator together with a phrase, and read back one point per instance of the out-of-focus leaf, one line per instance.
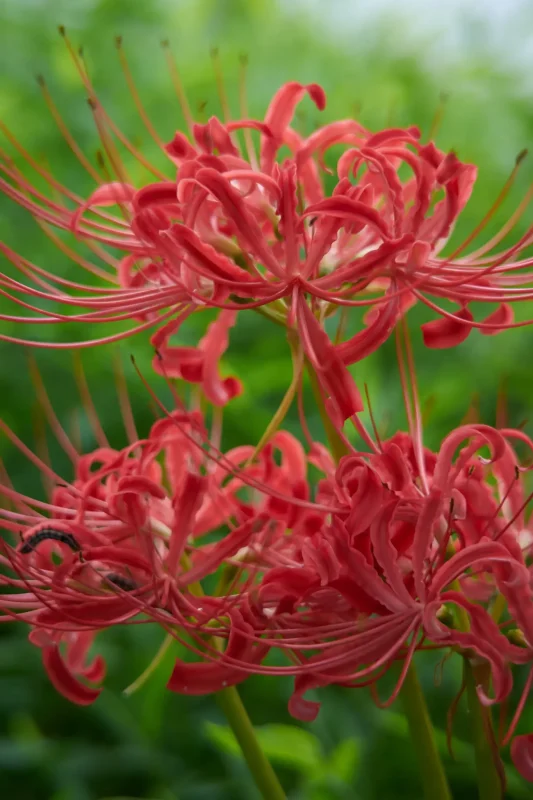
(284, 744)
(24, 729)
(463, 752)
(344, 760)
(154, 693)
(17, 755)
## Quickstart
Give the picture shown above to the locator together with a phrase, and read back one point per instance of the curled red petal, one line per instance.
(96, 670)
(118, 555)
(64, 681)
(445, 471)
(394, 135)
(367, 341)
(247, 228)
(362, 265)
(239, 124)
(128, 501)
(346, 208)
(200, 679)
(213, 345)
(333, 375)
(110, 194)
(502, 317)
(386, 554)
(212, 263)
(341, 131)
(225, 548)
(280, 113)
(482, 553)
(522, 755)
(76, 656)
(284, 102)
(93, 614)
(424, 537)
(357, 597)
(212, 676)
(221, 138)
(180, 148)
(198, 364)
(302, 709)
(140, 485)
(365, 490)
(442, 333)
(179, 362)
(293, 454)
(367, 578)
(186, 505)
(484, 638)
(317, 95)
(318, 554)
(155, 194)
(101, 459)
(294, 581)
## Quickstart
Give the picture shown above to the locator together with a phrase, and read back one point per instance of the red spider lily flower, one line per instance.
(236, 228)
(406, 549)
(128, 540)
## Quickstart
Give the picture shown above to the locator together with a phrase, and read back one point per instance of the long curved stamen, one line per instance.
(135, 94)
(103, 116)
(493, 209)
(67, 136)
(178, 86)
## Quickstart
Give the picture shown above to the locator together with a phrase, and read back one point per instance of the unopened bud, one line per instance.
(445, 616)
(517, 637)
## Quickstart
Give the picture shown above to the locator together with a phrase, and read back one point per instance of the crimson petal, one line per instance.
(522, 755)
(442, 333)
(64, 681)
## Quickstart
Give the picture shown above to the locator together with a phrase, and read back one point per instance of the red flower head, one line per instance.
(400, 563)
(235, 229)
(129, 539)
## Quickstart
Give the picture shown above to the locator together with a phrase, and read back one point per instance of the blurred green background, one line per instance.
(388, 67)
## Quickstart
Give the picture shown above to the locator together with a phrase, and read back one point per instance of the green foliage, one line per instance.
(300, 750)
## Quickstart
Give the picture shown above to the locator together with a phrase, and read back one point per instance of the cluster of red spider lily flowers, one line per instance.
(397, 548)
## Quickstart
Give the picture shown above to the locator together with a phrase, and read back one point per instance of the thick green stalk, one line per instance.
(233, 709)
(264, 776)
(231, 705)
(489, 777)
(432, 773)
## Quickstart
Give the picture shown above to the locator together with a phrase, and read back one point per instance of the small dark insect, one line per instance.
(121, 581)
(49, 534)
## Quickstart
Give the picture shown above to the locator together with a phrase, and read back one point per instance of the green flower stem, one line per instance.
(264, 776)
(490, 771)
(432, 773)
(489, 776)
(233, 709)
(231, 705)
